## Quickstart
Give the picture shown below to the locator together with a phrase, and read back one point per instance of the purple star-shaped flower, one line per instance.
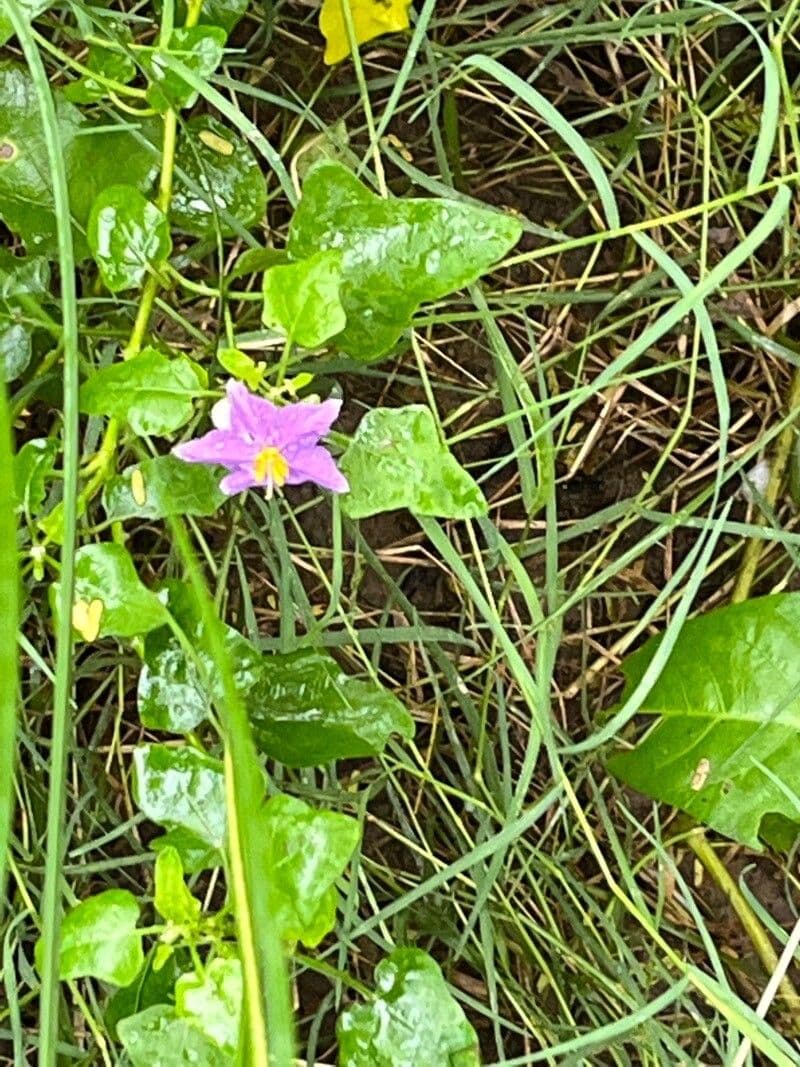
(265, 445)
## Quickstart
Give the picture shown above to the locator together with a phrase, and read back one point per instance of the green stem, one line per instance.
(56, 802)
(759, 937)
(9, 663)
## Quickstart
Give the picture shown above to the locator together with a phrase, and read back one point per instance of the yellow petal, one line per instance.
(86, 618)
(371, 18)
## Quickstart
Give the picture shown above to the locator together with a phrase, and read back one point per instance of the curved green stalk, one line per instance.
(51, 897)
(9, 619)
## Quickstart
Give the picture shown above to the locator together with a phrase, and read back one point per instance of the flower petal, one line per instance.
(316, 464)
(250, 415)
(221, 414)
(217, 446)
(237, 481)
(301, 421)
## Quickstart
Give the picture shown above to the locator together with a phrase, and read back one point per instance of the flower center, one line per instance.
(270, 467)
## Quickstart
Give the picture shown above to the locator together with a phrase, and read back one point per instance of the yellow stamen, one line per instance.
(270, 467)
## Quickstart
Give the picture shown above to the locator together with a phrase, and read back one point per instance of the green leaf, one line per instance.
(397, 460)
(728, 699)
(161, 487)
(181, 787)
(302, 299)
(110, 601)
(196, 854)
(99, 939)
(240, 365)
(33, 466)
(157, 1037)
(108, 63)
(100, 159)
(414, 1021)
(219, 177)
(15, 350)
(95, 159)
(22, 276)
(26, 198)
(396, 254)
(30, 8)
(224, 13)
(151, 986)
(127, 235)
(170, 694)
(199, 48)
(306, 852)
(306, 711)
(172, 899)
(152, 392)
(213, 1002)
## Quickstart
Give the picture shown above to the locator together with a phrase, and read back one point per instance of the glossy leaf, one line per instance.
(200, 49)
(100, 159)
(99, 939)
(414, 1021)
(158, 1037)
(26, 198)
(371, 18)
(128, 236)
(302, 299)
(22, 279)
(196, 854)
(181, 787)
(33, 466)
(152, 392)
(95, 159)
(22, 276)
(307, 851)
(396, 254)
(109, 63)
(397, 460)
(306, 711)
(219, 177)
(729, 705)
(170, 693)
(31, 9)
(163, 486)
(110, 600)
(214, 1002)
(172, 898)
(15, 349)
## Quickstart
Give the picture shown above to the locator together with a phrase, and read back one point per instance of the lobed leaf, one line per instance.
(397, 460)
(307, 850)
(396, 254)
(413, 1021)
